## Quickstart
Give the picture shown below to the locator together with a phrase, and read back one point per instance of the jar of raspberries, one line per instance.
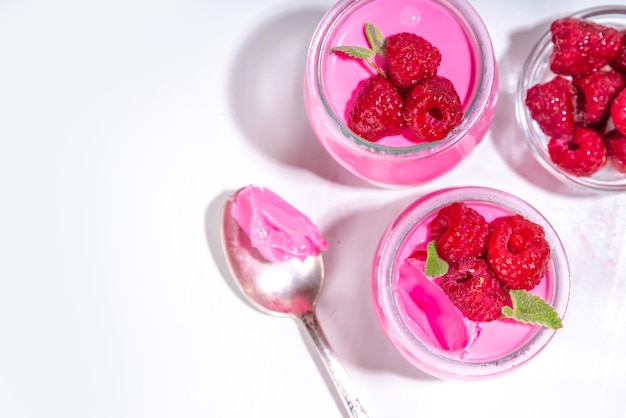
(399, 92)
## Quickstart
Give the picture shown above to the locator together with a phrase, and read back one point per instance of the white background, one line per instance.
(123, 127)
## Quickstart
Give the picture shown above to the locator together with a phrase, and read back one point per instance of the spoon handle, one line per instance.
(336, 371)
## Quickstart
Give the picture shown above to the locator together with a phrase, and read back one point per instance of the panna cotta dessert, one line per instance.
(397, 78)
(470, 282)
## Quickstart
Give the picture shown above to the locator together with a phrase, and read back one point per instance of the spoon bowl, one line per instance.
(289, 288)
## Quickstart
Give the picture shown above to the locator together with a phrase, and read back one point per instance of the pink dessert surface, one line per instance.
(343, 75)
(431, 311)
(276, 229)
(433, 319)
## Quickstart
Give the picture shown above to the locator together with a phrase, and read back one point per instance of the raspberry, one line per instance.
(618, 112)
(518, 252)
(410, 58)
(460, 232)
(616, 149)
(552, 105)
(597, 91)
(582, 46)
(474, 290)
(581, 153)
(378, 110)
(433, 108)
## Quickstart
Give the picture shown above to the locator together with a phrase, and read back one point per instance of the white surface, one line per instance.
(123, 126)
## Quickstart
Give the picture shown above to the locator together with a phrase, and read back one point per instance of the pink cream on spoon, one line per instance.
(276, 229)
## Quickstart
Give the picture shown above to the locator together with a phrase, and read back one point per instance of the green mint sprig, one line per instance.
(376, 42)
(375, 39)
(531, 309)
(435, 265)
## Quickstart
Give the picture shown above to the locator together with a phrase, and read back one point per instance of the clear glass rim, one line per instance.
(389, 248)
(485, 78)
(536, 140)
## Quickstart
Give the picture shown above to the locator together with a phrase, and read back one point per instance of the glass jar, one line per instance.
(455, 28)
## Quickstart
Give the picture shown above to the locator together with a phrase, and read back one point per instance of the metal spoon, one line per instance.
(286, 289)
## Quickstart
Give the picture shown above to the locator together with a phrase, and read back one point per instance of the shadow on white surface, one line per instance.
(346, 308)
(506, 132)
(213, 233)
(266, 92)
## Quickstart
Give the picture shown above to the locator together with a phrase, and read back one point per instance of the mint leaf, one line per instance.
(435, 265)
(377, 43)
(532, 309)
(355, 51)
(375, 38)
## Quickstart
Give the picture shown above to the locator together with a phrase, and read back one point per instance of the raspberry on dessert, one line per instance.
(517, 252)
(618, 112)
(433, 109)
(474, 290)
(616, 149)
(581, 153)
(553, 106)
(582, 46)
(410, 58)
(460, 232)
(378, 110)
(597, 91)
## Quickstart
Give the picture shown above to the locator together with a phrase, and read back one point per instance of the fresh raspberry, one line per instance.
(474, 289)
(433, 109)
(616, 149)
(618, 112)
(582, 46)
(410, 58)
(597, 91)
(378, 110)
(553, 106)
(518, 252)
(581, 153)
(460, 232)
